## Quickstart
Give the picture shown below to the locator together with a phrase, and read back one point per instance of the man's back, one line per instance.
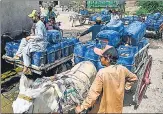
(95, 30)
(40, 29)
(111, 81)
(113, 87)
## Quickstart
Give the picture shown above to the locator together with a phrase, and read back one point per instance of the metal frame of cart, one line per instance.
(42, 68)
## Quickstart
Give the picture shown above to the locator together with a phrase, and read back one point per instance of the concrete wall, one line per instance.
(14, 15)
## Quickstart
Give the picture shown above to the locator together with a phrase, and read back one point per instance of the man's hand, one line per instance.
(78, 37)
(28, 37)
(78, 109)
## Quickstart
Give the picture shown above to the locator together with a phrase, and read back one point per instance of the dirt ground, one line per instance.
(153, 101)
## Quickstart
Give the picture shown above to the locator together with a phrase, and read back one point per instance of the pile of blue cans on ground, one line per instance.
(154, 21)
(57, 48)
(135, 31)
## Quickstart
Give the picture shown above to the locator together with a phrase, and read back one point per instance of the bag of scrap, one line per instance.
(116, 25)
(58, 94)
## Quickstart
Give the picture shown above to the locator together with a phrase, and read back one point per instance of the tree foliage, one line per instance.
(149, 7)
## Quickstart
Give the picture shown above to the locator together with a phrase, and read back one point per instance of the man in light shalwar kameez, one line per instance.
(33, 43)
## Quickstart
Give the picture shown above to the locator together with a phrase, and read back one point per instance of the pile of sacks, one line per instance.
(46, 95)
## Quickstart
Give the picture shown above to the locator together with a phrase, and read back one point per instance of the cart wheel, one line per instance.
(143, 83)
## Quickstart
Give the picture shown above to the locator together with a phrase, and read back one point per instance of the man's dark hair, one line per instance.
(53, 18)
(50, 8)
(110, 11)
(111, 54)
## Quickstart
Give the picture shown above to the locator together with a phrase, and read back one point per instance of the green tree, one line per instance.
(149, 7)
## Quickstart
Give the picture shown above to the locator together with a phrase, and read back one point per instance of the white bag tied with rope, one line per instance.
(67, 90)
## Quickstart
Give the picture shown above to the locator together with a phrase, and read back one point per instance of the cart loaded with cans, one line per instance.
(132, 48)
(59, 51)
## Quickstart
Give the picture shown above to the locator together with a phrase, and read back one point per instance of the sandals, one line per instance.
(16, 59)
(28, 72)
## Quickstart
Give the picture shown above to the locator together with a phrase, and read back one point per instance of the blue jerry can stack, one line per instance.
(57, 48)
(85, 52)
(79, 51)
(11, 48)
(126, 58)
(90, 55)
(38, 58)
(154, 21)
(110, 35)
(136, 32)
(114, 25)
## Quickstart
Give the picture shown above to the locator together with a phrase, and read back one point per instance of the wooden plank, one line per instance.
(37, 69)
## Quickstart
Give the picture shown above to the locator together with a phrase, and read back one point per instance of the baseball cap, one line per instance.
(98, 19)
(109, 52)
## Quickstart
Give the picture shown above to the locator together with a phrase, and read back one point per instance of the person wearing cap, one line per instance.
(110, 83)
(42, 18)
(32, 16)
(95, 29)
(114, 18)
(50, 14)
(37, 42)
(114, 15)
(83, 11)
